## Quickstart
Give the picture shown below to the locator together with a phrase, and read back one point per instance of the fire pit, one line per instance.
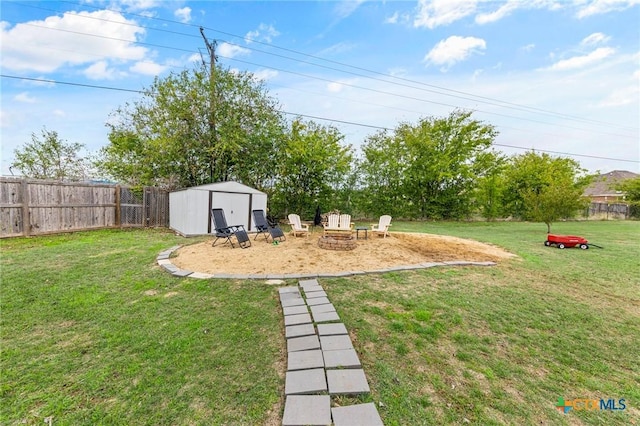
(342, 242)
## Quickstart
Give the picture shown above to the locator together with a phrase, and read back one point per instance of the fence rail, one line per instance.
(34, 207)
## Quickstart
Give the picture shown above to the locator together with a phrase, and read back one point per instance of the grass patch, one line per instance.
(500, 345)
(94, 333)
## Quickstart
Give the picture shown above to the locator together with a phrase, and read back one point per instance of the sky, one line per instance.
(556, 76)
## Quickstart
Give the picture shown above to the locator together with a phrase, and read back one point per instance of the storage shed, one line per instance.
(190, 209)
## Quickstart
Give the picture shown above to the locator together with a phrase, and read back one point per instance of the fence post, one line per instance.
(117, 196)
(145, 207)
(26, 218)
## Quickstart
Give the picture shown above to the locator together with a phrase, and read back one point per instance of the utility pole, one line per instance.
(211, 48)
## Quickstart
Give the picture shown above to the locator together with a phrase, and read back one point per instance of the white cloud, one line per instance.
(337, 49)
(598, 7)
(147, 68)
(434, 13)
(595, 38)
(101, 71)
(232, 50)
(45, 46)
(528, 48)
(341, 85)
(184, 14)
(578, 62)
(265, 33)
(620, 97)
(502, 12)
(59, 113)
(345, 8)
(194, 58)
(454, 49)
(25, 98)
(393, 19)
(264, 75)
(136, 5)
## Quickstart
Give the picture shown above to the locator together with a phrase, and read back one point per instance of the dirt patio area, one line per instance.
(302, 254)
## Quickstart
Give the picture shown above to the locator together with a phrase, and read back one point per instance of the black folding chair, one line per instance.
(224, 231)
(263, 227)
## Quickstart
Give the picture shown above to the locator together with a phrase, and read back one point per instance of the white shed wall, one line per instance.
(189, 209)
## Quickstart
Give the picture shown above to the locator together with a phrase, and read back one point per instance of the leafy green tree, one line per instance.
(541, 188)
(490, 185)
(193, 128)
(382, 170)
(631, 188)
(314, 165)
(428, 170)
(49, 157)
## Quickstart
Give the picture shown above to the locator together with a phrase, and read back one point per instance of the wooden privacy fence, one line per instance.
(34, 207)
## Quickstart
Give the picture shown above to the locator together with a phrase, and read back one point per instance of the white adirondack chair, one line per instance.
(382, 227)
(297, 227)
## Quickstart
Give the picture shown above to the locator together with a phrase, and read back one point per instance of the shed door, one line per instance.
(236, 207)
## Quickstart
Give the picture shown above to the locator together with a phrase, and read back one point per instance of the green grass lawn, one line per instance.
(93, 332)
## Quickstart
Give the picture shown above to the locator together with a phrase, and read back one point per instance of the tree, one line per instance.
(490, 185)
(50, 157)
(541, 188)
(313, 166)
(382, 170)
(631, 188)
(193, 128)
(429, 169)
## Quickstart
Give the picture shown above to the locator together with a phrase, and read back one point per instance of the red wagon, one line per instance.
(562, 241)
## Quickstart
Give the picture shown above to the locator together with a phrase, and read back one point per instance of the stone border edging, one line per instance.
(163, 260)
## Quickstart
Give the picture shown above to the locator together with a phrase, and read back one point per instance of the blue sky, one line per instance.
(557, 76)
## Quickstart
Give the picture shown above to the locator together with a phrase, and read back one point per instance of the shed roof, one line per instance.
(230, 186)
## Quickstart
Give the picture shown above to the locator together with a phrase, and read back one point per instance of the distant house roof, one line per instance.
(604, 184)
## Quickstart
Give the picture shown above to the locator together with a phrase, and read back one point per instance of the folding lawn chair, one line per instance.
(222, 230)
(263, 227)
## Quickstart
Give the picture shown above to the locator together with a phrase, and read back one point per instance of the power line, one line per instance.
(457, 93)
(316, 118)
(322, 79)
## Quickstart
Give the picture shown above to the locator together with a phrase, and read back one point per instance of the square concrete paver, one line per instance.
(286, 296)
(308, 283)
(294, 310)
(297, 319)
(296, 301)
(313, 410)
(326, 317)
(289, 289)
(299, 330)
(344, 358)
(318, 309)
(334, 343)
(347, 382)
(305, 360)
(312, 289)
(314, 294)
(317, 301)
(356, 415)
(304, 343)
(305, 381)
(331, 329)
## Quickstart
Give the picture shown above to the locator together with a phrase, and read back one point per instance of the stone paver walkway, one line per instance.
(321, 362)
